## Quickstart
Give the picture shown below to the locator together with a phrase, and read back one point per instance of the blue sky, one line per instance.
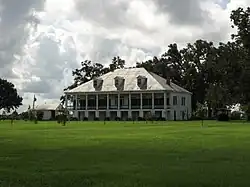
(224, 3)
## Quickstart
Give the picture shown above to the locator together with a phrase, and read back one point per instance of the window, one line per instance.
(183, 101)
(174, 100)
(116, 81)
(95, 83)
(168, 101)
(139, 82)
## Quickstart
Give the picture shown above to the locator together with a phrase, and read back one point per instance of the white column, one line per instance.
(171, 106)
(86, 107)
(118, 107)
(129, 101)
(97, 112)
(165, 106)
(76, 97)
(107, 101)
(107, 111)
(141, 100)
(153, 103)
(141, 112)
(96, 97)
(76, 107)
(129, 106)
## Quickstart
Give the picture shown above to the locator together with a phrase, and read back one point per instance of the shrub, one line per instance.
(195, 118)
(73, 119)
(236, 115)
(39, 115)
(141, 119)
(118, 119)
(162, 119)
(222, 117)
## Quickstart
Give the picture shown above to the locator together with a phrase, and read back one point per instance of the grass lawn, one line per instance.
(124, 154)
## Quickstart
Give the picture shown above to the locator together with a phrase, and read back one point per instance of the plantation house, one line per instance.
(129, 94)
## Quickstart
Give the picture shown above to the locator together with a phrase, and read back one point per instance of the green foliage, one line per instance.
(236, 115)
(40, 115)
(62, 118)
(25, 115)
(9, 98)
(201, 111)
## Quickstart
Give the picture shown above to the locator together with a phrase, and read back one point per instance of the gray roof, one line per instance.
(154, 82)
(51, 106)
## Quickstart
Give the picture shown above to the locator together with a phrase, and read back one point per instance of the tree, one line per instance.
(25, 115)
(191, 67)
(241, 20)
(13, 116)
(9, 98)
(90, 70)
(117, 63)
(201, 113)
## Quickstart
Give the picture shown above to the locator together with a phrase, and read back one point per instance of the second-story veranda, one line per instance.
(119, 101)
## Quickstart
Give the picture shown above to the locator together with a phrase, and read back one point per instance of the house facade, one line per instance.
(129, 94)
(50, 111)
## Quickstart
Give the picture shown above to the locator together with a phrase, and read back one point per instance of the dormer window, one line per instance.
(119, 83)
(116, 82)
(142, 82)
(139, 82)
(97, 83)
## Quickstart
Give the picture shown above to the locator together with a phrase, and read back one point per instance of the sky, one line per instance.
(42, 41)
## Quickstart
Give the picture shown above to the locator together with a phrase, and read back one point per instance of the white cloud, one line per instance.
(40, 59)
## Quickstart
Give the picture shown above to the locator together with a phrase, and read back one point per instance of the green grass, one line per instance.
(124, 154)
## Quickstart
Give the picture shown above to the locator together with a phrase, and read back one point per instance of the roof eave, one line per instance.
(126, 91)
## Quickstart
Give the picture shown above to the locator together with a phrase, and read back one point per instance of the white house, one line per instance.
(129, 94)
(50, 111)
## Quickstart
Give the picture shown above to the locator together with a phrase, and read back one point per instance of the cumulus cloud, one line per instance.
(41, 42)
(17, 20)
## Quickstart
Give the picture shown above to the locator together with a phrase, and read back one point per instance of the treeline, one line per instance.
(217, 75)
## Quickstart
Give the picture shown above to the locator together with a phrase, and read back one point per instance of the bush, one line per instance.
(223, 117)
(107, 119)
(85, 119)
(61, 118)
(195, 118)
(96, 119)
(73, 119)
(235, 115)
(39, 115)
(118, 119)
(162, 119)
(141, 119)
